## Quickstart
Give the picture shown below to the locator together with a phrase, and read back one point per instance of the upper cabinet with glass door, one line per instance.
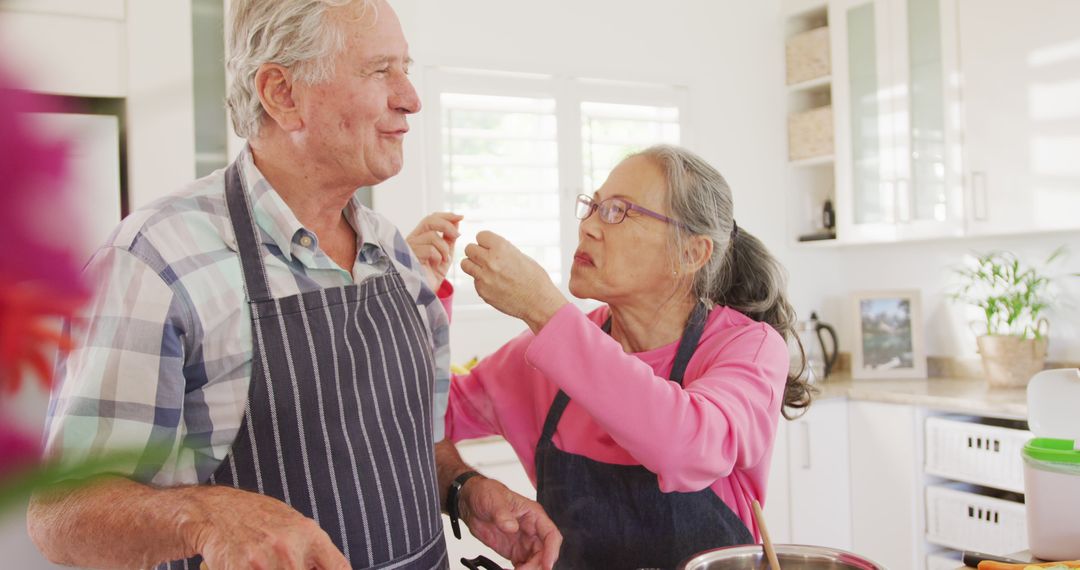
(897, 139)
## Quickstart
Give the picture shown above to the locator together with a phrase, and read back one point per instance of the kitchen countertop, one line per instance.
(955, 395)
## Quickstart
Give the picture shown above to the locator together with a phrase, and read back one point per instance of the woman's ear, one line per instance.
(698, 250)
(274, 85)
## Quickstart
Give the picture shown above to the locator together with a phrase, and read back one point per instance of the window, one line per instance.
(611, 131)
(501, 170)
(515, 150)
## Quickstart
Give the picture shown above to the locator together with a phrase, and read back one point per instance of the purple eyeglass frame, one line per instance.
(594, 206)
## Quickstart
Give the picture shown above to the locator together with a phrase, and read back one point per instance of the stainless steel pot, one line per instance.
(791, 556)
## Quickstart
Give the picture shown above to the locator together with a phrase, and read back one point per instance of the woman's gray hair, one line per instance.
(741, 274)
(292, 33)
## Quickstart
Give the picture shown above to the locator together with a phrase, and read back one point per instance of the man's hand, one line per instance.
(512, 525)
(237, 529)
(433, 243)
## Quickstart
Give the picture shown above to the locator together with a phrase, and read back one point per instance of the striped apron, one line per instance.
(338, 420)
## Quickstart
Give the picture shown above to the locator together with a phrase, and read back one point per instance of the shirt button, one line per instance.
(306, 241)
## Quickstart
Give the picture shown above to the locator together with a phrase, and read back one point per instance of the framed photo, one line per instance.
(888, 335)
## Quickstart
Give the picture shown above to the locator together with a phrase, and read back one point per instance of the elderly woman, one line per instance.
(648, 424)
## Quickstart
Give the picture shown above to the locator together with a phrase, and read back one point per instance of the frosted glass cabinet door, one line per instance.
(866, 192)
(1021, 74)
(926, 147)
(897, 139)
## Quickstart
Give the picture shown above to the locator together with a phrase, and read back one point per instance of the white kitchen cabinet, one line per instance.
(885, 483)
(777, 505)
(1021, 82)
(92, 185)
(898, 171)
(820, 477)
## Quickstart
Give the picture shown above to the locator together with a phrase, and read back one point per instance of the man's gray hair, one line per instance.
(292, 33)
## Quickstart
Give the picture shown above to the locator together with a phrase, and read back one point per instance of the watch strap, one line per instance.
(453, 499)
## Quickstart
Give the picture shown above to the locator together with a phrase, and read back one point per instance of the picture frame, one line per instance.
(888, 335)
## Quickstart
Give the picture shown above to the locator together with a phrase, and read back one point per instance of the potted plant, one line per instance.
(1012, 297)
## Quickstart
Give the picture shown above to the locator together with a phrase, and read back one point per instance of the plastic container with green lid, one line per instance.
(1052, 465)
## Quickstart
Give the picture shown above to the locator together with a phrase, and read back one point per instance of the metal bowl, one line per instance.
(791, 557)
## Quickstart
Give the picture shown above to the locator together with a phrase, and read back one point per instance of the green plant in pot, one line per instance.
(1012, 297)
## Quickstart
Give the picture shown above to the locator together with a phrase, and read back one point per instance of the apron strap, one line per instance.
(238, 204)
(688, 344)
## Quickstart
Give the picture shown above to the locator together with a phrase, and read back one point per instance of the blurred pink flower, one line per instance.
(17, 450)
(39, 274)
(32, 173)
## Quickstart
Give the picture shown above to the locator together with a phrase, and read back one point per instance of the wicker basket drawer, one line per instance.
(976, 453)
(808, 55)
(810, 133)
(959, 519)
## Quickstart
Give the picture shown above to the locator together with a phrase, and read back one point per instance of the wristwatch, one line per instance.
(452, 497)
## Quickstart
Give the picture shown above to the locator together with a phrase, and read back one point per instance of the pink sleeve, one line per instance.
(470, 412)
(446, 296)
(724, 419)
(485, 398)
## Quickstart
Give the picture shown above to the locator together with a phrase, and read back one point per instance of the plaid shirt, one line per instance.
(164, 350)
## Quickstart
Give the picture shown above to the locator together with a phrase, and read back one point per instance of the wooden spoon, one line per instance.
(770, 553)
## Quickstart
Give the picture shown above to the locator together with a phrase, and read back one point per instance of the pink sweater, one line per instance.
(717, 431)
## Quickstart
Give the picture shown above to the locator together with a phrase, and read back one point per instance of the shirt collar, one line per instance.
(279, 225)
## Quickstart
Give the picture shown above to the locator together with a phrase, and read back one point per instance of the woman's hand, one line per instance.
(433, 243)
(511, 281)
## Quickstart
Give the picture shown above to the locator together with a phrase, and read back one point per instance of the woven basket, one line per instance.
(810, 133)
(1010, 361)
(808, 56)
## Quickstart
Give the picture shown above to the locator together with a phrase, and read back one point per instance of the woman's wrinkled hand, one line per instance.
(511, 281)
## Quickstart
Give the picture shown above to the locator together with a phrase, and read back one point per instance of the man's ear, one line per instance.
(274, 84)
(697, 251)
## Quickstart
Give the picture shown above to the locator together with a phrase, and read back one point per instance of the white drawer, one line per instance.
(976, 453)
(959, 519)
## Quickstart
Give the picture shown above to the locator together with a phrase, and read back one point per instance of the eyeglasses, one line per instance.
(614, 210)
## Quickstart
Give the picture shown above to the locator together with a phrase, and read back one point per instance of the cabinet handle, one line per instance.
(806, 445)
(979, 198)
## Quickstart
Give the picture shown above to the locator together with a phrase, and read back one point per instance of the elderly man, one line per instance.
(273, 345)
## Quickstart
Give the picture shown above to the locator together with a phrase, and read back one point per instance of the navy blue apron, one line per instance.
(615, 516)
(338, 420)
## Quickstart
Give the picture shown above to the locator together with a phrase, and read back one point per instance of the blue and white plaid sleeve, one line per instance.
(438, 323)
(122, 388)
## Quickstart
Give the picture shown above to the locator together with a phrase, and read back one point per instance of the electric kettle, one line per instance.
(820, 356)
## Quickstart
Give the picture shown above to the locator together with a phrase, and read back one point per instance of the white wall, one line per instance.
(927, 267)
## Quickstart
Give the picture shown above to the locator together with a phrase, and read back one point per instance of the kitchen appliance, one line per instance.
(820, 359)
(1052, 465)
(792, 557)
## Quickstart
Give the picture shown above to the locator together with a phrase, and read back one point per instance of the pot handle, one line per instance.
(480, 563)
